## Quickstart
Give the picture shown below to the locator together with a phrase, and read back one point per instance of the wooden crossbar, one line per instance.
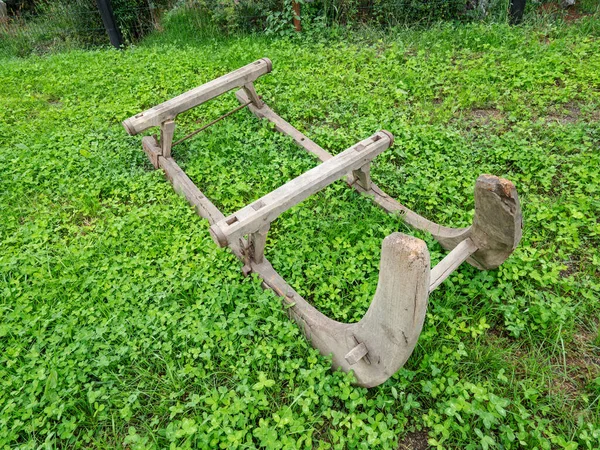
(242, 77)
(263, 211)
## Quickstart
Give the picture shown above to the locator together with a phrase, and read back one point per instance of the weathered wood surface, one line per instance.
(381, 198)
(284, 127)
(252, 95)
(391, 326)
(184, 186)
(169, 109)
(256, 243)
(268, 208)
(152, 149)
(167, 130)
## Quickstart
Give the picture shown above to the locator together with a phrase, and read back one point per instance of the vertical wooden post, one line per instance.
(297, 23)
(257, 242)
(251, 92)
(363, 176)
(167, 129)
(108, 19)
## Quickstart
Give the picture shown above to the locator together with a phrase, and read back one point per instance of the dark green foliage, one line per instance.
(123, 325)
(275, 16)
(46, 24)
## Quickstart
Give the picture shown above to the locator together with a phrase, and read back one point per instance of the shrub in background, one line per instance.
(37, 25)
(275, 16)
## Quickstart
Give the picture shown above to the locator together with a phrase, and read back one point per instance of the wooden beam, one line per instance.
(169, 109)
(451, 262)
(263, 211)
(152, 149)
(184, 186)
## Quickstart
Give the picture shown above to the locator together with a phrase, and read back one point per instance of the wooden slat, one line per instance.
(452, 260)
(169, 109)
(263, 211)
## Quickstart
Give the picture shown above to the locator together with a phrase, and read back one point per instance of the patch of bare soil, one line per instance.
(581, 363)
(565, 114)
(479, 118)
(569, 14)
(486, 115)
(415, 440)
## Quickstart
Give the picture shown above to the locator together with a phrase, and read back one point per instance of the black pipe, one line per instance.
(515, 14)
(108, 18)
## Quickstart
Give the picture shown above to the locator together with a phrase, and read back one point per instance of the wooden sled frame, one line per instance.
(381, 342)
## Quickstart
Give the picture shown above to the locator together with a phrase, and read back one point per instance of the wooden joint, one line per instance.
(246, 270)
(167, 129)
(171, 108)
(252, 95)
(363, 176)
(253, 217)
(356, 354)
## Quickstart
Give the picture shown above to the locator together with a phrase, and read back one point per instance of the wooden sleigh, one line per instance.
(380, 343)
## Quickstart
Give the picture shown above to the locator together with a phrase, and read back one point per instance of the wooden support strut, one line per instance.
(167, 129)
(380, 343)
(171, 108)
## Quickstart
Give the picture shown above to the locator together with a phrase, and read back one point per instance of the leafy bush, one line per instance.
(275, 16)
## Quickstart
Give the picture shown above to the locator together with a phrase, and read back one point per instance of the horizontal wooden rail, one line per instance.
(169, 109)
(263, 211)
(450, 263)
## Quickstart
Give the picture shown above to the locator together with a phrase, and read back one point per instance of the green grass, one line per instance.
(122, 324)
